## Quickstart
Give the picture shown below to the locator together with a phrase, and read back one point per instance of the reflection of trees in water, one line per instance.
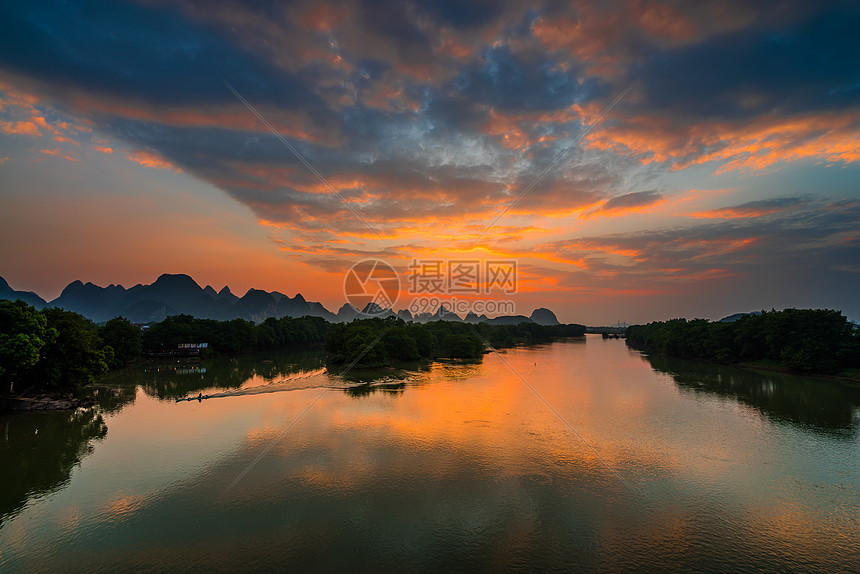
(404, 370)
(366, 389)
(39, 451)
(175, 380)
(813, 404)
(112, 398)
(393, 380)
(459, 370)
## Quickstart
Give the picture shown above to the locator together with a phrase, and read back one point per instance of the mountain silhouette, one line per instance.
(405, 314)
(471, 317)
(89, 299)
(256, 305)
(543, 316)
(7, 293)
(173, 294)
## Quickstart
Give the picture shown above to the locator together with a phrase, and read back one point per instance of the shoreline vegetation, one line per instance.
(399, 341)
(50, 357)
(812, 342)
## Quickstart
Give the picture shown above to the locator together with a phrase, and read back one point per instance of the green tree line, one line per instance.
(377, 342)
(236, 336)
(804, 340)
(56, 350)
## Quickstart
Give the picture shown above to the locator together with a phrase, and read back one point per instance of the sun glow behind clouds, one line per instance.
(429, 124)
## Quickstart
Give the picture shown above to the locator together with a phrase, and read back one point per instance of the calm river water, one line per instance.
(613, 462)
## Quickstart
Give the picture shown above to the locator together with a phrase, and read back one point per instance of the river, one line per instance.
(579, 455)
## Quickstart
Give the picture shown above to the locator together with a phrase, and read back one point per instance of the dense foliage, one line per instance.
(807, 340)
(48, 350)
(124, 338)
(236, 336)
(56, 350)
(379, 342)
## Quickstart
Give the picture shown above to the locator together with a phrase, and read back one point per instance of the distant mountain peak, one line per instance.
(405, 314)
(173, 293)
(543, 316)
(175, 280)
(446, 315)
(738, 316)
(372, 309)
(7, 293)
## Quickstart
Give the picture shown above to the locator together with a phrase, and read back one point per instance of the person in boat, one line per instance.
(200, 397)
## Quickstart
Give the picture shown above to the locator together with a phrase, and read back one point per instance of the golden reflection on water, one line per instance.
(466, 456)
(123, 506)
(486, 414)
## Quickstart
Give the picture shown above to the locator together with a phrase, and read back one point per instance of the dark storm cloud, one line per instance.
(135, 52)
(818, 235)
(465, 14)
(508, 81)
(791, 66)
(440, 109)
(756, 208)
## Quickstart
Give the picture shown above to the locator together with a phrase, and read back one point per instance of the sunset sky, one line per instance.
(725, 179)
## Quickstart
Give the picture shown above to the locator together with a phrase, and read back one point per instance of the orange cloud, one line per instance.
(603, 34)
(716, 247)
(42, 123)
(752, 146)
(630, 203)
(736, 212)
(153, 160)
(103, 149)
(26, 128)
(451, 46)
(515, 130)
(322, 17)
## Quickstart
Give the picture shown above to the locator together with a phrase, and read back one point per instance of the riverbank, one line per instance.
(44, 402)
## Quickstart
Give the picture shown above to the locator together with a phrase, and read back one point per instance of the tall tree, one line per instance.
(24, 333)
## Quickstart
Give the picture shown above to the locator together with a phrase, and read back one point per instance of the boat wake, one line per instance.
(288, 383)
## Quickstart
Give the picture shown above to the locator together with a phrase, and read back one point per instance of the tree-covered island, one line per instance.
(399, 341)
(814, 341)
